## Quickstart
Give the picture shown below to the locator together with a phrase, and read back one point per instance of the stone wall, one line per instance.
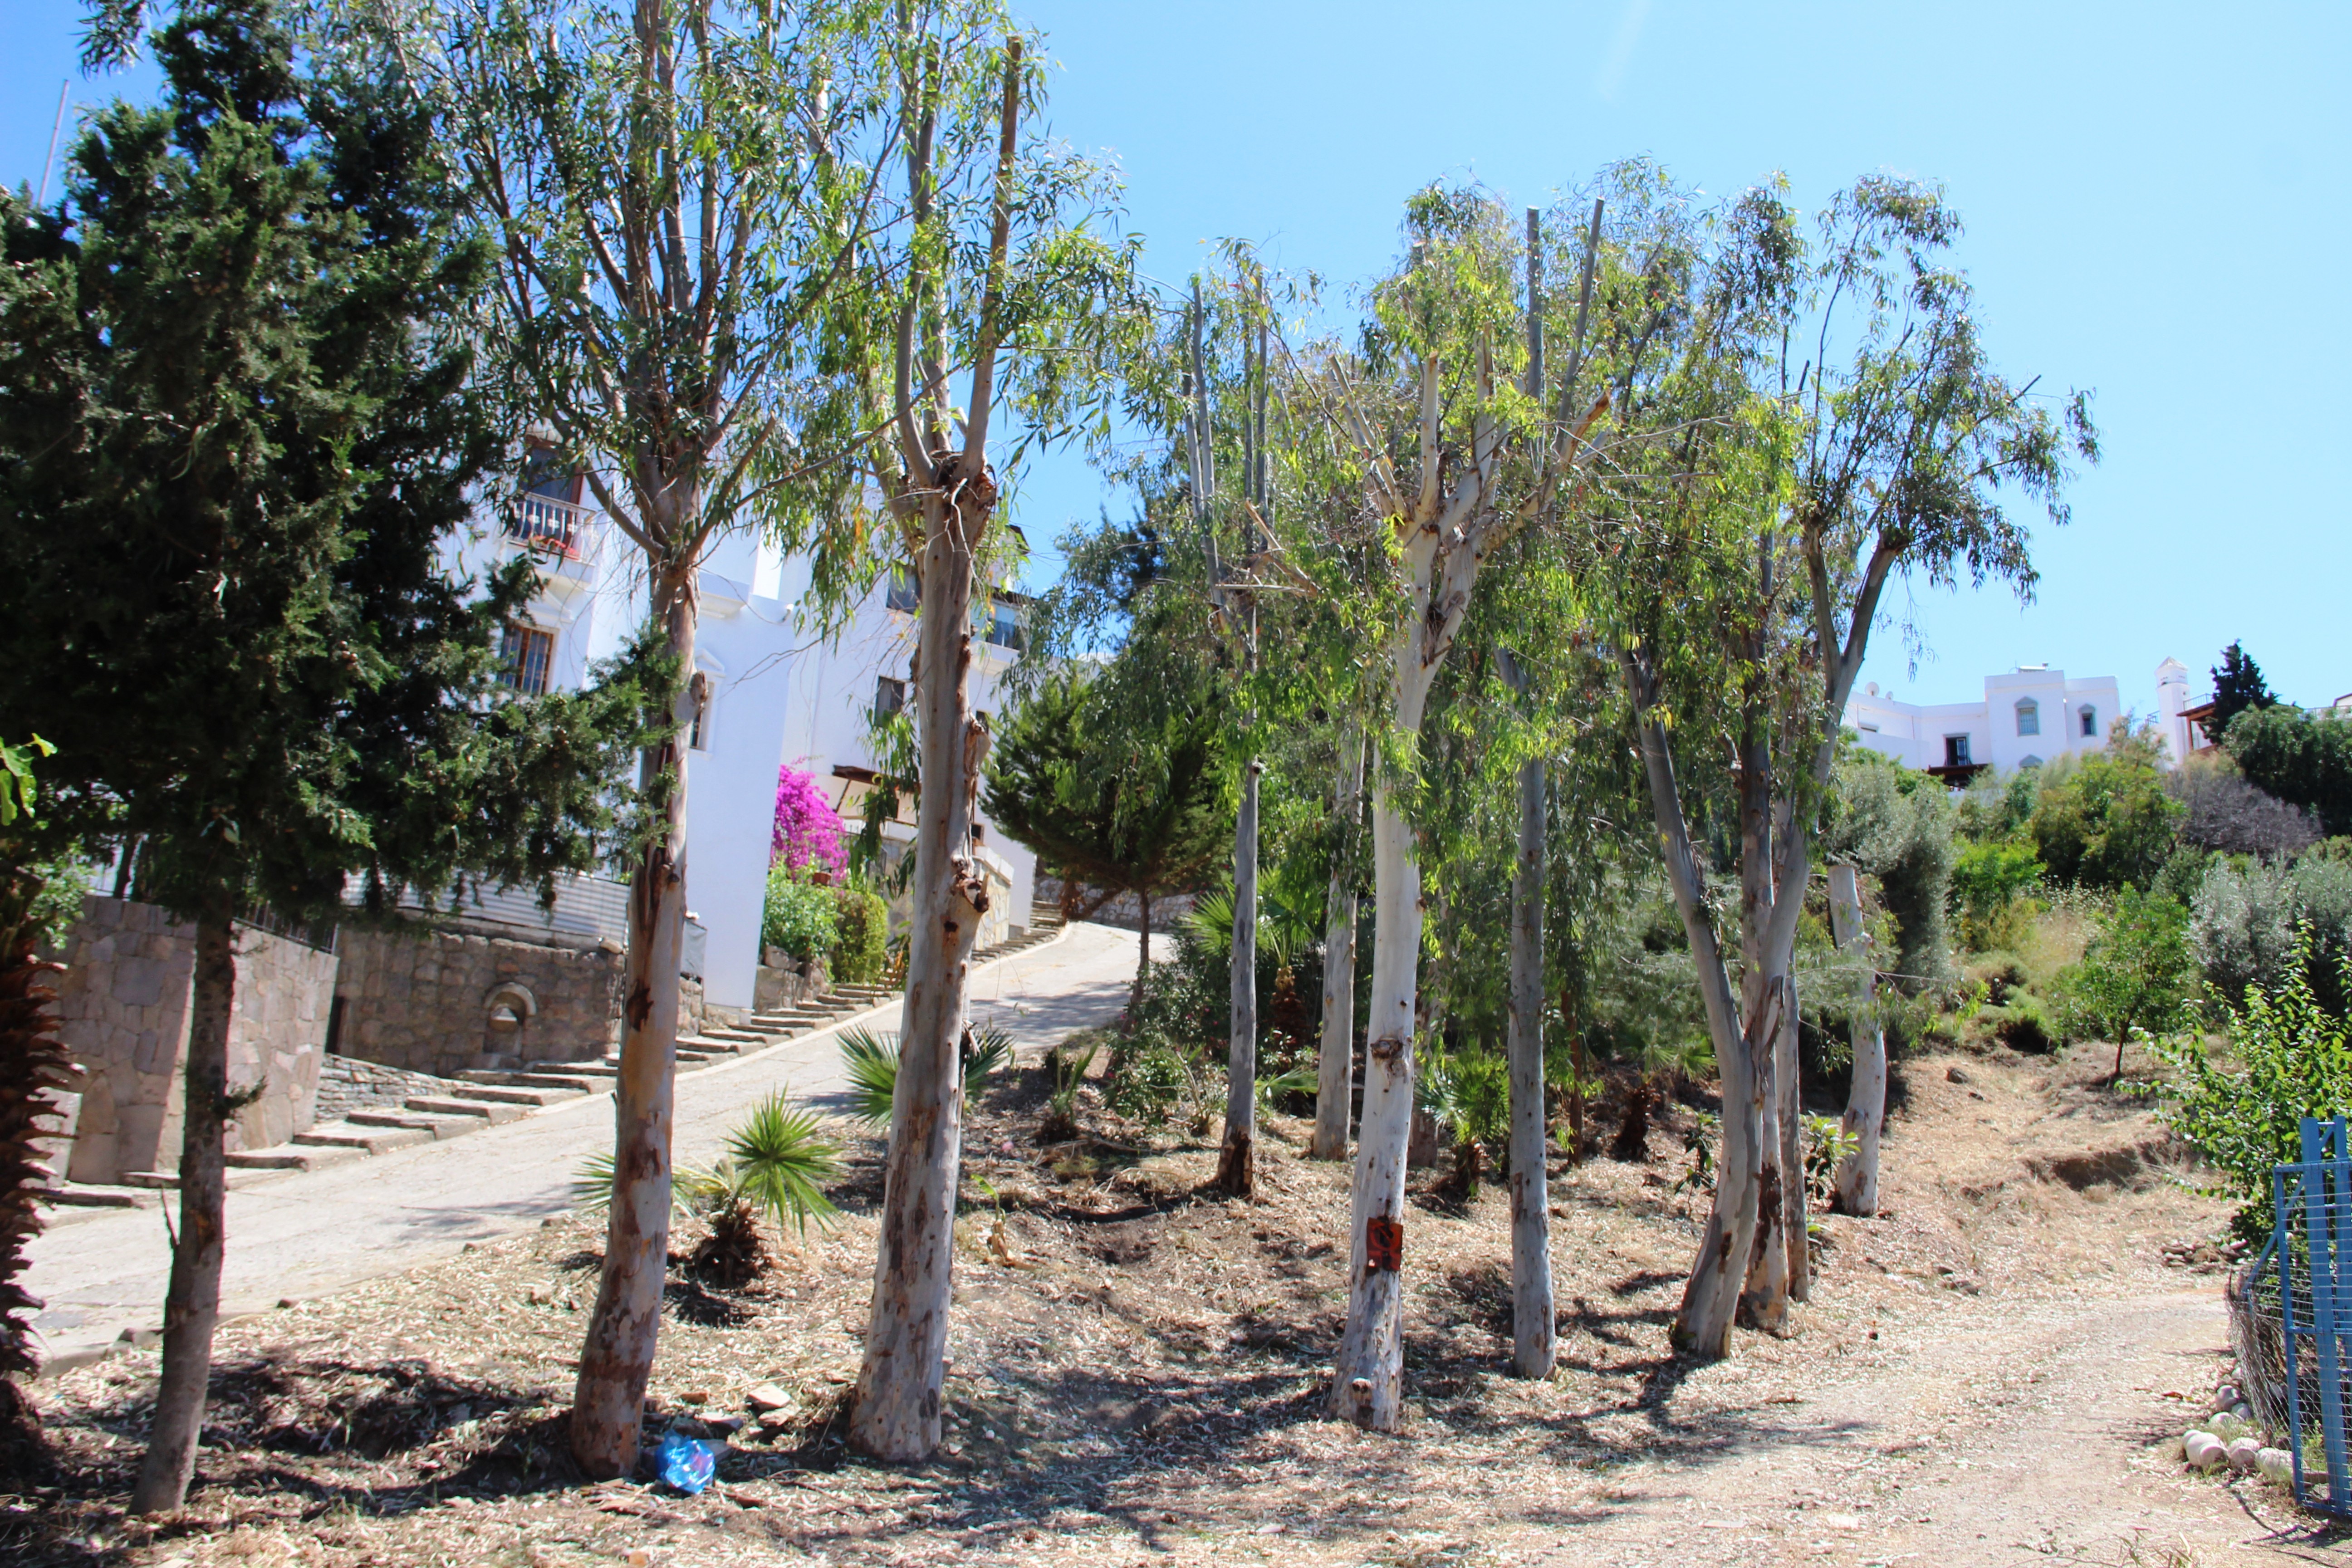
(122, 1011)
(441, 1001)
(1123, 910)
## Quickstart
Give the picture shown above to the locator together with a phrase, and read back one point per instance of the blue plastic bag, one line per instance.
(686, 1463)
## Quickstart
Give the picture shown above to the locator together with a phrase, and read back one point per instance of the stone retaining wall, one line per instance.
(122, 1011)
(441, 1001)
(1125, 910)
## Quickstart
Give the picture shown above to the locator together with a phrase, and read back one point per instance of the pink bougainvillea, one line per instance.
(808, 830)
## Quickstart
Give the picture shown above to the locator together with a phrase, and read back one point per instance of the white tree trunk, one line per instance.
(1794, 1199)
(1534, 1346)
(1336, 1064)
(901, 1383)
(1865, 1105)
(617, 1357)
(1368, 1388)
(1238, 1160)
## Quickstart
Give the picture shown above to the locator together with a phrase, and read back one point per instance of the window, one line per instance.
(1956, 752)
(1004, 628)
(889, 698)
(543, 476)
(698, 736)
(2090, 717)
(527, 652)
(904, 593)
(2028, 716)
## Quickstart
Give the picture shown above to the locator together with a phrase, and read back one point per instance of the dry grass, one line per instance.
(1138, 1367)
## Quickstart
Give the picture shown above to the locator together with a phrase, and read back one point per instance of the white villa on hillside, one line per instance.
(775, 692)
(2028, 717)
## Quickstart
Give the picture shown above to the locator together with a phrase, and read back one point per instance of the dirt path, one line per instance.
(2012, 1432)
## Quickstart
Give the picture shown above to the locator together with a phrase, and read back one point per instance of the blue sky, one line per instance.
(2154, 197)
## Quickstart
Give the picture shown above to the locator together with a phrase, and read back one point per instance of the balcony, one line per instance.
(551, 527)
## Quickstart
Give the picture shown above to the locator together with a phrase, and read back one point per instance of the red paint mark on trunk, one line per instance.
(1383, 1244)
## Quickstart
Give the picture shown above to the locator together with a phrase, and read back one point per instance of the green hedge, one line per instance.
(800, 916)
(862, 929)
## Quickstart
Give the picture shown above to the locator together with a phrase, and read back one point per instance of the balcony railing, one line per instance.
(551, 526)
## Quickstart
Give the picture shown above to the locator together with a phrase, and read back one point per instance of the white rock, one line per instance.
(2225, 1397)
(2277, 1465)
(2244, 1412)
(2242, 1452)
(2203, 1449)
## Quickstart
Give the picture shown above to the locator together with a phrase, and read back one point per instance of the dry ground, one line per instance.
(1992, 1373)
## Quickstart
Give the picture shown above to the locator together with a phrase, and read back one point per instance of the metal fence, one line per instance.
(2291, 1318)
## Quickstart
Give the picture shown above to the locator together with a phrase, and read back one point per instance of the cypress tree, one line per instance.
(2238, 685)
(237, 422)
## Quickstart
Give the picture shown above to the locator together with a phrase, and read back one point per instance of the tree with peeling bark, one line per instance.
(1454, 459)
(679, 193)
(1797, 422)
(229, 361)
(991, 267)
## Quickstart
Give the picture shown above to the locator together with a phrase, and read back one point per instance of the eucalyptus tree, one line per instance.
(992, 265)
(1453, 457)
(1800, 420)
(237, 431)
(677, 190)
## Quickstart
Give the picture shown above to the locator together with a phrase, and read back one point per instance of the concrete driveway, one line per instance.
(309, 1233)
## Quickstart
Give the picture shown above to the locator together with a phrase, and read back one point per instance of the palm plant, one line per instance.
(870, 1057)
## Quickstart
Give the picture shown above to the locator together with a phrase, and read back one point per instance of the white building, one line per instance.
(2028, 717)
(774, 692)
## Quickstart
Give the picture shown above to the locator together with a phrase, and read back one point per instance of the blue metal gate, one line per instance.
(2298, 1303)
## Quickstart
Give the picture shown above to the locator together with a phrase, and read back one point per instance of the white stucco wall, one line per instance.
(1914, 734)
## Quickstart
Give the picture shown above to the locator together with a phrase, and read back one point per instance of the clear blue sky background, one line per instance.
(2155, 193)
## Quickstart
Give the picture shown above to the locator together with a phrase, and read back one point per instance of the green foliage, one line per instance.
(2249, 921)
(1827, 1144)
(801, 917)
(1988, 879)
(238, 419)
(1467, 1091)
(2288, 1058)
(1889, 827)
(1070, 1068)
(870, 1059)
(778, 1161)
(871, 1062)
(2238, 685)
(861, 935)
(2136, 978)
(1150, 1081)
(1112, 788)
(2303, 758)
(18, 794)
(775, 1159)
(2104, 819)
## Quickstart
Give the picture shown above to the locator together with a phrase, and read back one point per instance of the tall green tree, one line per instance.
(1797, 421)
(1129, 795)
(2238, 685)
(2303, 758)
(677, 192)
(236, 433)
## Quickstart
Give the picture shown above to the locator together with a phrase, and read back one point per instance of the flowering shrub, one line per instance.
(807, 830)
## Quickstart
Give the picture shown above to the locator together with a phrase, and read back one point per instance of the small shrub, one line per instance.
(2289, 1058)
(2136, 976)
(799, 917)
(870, 1060)
(861, 936)
(1990, 882)
(1150, 1082)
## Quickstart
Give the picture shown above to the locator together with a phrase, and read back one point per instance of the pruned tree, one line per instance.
(990, 265)
(237, 428)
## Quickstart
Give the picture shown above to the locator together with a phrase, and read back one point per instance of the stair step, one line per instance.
(288, 1158)
(714, 1044)
(89, 1195)
(366, 1140)
(570, 1080)
(489, 1110)
(438, 1127)
(740, 1036)
(512, 1094)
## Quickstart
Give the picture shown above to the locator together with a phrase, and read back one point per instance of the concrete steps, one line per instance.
(490, 1110)
(438, 1127)
(366, 1140)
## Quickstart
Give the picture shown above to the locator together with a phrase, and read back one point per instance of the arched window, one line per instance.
(2090, 717)
(2029, 717)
